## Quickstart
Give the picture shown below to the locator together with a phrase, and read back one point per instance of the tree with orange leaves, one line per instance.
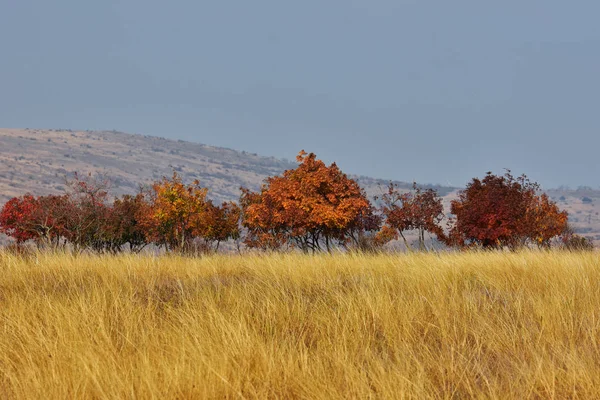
(544, 220)
(221, 223)
(313, 207)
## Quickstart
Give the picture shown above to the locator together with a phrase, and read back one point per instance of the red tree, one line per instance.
(500, 211)
(34, 218)
(124, 225)
(85, 216)
(419, 210)
(16, 216)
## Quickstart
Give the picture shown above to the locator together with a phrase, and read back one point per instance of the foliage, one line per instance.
(85, 215)
(544, 220)
(313, 207)
(179, 216)
(40, 219)
(221, 223)
(503, 211)
(16, 217)
(172, 214)
(573, 242)
(175, 214)
(419, 210)
(124, 225)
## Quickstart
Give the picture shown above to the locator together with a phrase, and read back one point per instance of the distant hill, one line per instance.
(39, 160)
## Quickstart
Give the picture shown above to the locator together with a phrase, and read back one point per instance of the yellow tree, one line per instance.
(175, 214)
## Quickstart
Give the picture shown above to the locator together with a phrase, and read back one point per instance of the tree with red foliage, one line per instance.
(364, 232)
(16, 216)
(123, 224)
(85, 215)
(34, 218)
(313, 207)
(503, 211)
(419, 210)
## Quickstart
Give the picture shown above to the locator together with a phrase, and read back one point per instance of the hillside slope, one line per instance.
(39, 160)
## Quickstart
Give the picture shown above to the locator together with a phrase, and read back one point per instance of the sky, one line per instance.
(433, 91)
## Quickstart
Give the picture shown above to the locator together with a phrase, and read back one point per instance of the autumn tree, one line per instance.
(419, 210)
(175, 215)
(544, 220)
(48, 218)
(313, 207)
(221, 223)
(85, 215)
(503, 211)
(34, 218)
(266, 229)
(365, 231)
(77, 217)
(16, 219)
(124, 225)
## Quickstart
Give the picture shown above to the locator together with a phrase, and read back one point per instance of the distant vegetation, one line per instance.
(313, 207)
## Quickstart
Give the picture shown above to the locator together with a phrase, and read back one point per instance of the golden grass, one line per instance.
(493, 325)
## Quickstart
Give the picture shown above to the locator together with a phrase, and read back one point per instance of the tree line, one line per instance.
(314, 207)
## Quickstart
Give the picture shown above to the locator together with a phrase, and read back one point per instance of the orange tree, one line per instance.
(221, 223)
(503, 211)
(544, 221)
(419, 210)
(313, 207)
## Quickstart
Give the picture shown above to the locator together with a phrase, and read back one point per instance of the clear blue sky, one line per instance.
(436, 91)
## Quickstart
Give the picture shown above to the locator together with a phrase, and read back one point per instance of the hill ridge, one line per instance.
(38, 160)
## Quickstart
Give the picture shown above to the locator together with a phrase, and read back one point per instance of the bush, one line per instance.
(578, 243)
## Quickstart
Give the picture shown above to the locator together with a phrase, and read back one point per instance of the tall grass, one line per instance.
(489, 325)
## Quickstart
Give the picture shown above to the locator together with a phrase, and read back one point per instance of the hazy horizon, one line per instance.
(437, 93)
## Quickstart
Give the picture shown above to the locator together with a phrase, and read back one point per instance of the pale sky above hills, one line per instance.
(435, 91)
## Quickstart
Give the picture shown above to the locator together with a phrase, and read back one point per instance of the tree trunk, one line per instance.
(405, 241)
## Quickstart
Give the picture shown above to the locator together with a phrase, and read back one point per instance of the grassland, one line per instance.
(496, 325)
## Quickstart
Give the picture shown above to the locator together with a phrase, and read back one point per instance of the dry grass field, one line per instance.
(483, 325)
